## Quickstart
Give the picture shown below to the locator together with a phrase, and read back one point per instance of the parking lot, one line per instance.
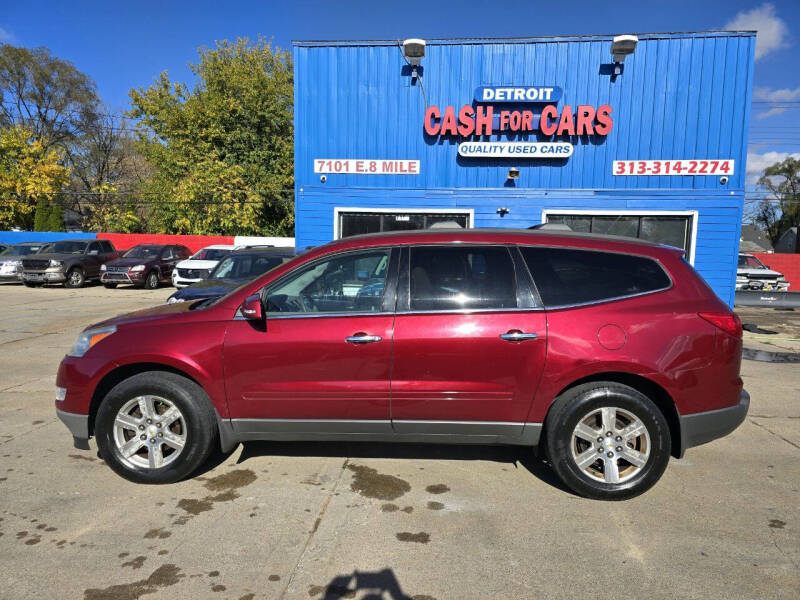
(301, 520)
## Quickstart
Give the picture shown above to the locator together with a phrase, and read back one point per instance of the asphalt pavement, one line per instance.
(311, 521)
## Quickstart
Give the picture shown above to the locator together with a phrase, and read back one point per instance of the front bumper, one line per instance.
(703, 427)
(13, 273)
(44, 276)
(182, 282)
(78, 426)
(121, 276)
(765, 286)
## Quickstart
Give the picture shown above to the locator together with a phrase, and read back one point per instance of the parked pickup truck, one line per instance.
(754, 275)
(71, 262)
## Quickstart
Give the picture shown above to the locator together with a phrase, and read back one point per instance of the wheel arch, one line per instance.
(122, 372)
(660, 397)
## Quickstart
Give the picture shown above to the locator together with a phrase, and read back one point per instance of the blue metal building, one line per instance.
(654, 147)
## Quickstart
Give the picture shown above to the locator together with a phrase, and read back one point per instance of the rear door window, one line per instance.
(454, 278)
(566, 276)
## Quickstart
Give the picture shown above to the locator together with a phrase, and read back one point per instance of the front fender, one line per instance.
(191, 348)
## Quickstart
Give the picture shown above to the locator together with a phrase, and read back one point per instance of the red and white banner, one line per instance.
(366, 166)
(717, 166)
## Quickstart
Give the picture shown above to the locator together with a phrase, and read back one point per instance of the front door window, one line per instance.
(348, 283)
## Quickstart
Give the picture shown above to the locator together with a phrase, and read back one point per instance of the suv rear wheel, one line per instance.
(155, 427)
(607, 441)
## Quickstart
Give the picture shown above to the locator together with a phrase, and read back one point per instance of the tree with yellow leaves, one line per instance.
(29, 170)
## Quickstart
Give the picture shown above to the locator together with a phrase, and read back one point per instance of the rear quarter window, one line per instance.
(566, 276)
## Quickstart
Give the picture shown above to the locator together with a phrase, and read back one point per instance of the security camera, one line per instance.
(622, 45)
(323, 179)
(414, 50)
(513, 173)
(723, 180)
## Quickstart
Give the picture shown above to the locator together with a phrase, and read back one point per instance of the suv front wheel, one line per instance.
(607, 441)
(155, 427)
(75, 278)
(152, 280)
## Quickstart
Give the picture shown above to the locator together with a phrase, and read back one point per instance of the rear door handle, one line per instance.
(362, 338)
(517, 336)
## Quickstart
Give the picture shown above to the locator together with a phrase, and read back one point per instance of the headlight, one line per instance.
(173, 300)
(102, 267)
(781, 279)
(89, 338)
(138, 268)
(56, 263)
(14, 263)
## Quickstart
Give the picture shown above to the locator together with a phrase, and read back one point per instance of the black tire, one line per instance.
(188, 397)
(75, 278)
(109, 286)
(578, 402)
(152, 281)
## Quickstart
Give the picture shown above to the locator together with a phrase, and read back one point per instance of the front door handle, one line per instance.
(362, 338)
(517, 336)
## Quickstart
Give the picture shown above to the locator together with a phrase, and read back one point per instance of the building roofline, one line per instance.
(526, 39)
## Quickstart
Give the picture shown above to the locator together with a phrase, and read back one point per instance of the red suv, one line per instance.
(609, 355)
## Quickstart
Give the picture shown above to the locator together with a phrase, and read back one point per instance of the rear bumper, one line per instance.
(700, 428)
(78, 426)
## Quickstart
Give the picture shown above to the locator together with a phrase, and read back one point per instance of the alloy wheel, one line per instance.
(75, 278)
(149, 432)
(610, 444)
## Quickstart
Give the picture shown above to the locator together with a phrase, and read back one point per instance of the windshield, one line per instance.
(211, 254)
(67, 247)
(20, 250)
(143, 252)
(246, 266)
(750, 262)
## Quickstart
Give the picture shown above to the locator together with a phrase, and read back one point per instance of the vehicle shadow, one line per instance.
(371, 584)
(516, 456)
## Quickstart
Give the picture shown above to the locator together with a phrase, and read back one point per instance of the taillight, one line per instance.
(728, 321)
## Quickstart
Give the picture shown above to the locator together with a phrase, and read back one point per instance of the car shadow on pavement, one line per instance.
(516, 456)
(378, 584)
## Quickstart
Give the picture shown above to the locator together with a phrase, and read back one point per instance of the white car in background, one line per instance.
(199, 265)
(752, 274)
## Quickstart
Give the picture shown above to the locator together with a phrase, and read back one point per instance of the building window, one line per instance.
(359, 222)
(673, 230)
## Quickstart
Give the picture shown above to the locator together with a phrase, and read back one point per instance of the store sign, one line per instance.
(515, 149)
(494, 112)
(583, 119)
(488, 93)
(366, 166)
(673, 167)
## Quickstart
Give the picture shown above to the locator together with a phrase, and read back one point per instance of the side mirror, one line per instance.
(252, 309)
